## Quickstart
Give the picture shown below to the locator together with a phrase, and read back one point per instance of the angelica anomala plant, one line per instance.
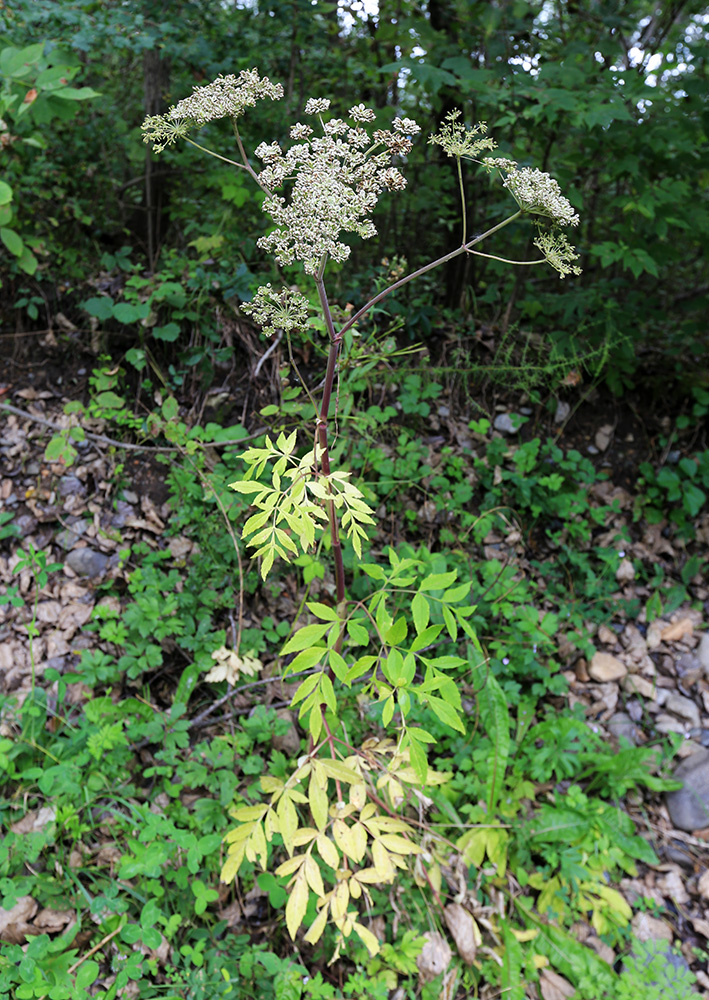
(339, 813)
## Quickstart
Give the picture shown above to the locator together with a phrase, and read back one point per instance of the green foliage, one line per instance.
(683, 489)
(648, 971)
(446, 650)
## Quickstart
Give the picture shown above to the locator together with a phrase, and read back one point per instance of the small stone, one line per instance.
(607, 636)
(581, 670)
(679, 854)
(68, 538)
(636, 684)
(25, 524)
(508, 423)
(604, 667)
(563, 409)
(653, 637)
(669, 724)
(70, 486)
(689, 806)
(603, 437)
(689, 669)
(703, 653)
(684, 708)
(621, 724)
(86, 562)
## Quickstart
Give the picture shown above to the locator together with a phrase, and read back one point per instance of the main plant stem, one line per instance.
(322, 437)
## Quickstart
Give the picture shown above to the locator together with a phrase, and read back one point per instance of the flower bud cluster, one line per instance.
(337, 178)
(457, 140)
(285, 309)
(557, 251)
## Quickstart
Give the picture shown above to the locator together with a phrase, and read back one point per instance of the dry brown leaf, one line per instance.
(435, 957)
(36, 819)
(677, 630)
(703, 884)
(701, 926)
(647, 928)
(14, 923)
(53, 921)
(464, 931)
(672, 885)
(554, 986)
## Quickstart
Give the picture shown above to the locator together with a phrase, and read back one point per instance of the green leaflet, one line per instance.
(496, 720)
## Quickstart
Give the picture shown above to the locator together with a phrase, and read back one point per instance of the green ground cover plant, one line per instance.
(400, 650)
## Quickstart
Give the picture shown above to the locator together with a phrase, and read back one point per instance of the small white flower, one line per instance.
(268, 152)
(362, 114)
(407, 125)
(317, 105)
(300, 131)
(336, 126)
(392, 179)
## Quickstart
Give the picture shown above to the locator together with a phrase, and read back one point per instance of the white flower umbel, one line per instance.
(284, 310)
(226, 97)
(539, 194)
(337, 179)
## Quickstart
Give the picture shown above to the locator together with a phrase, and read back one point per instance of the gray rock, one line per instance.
(71, 535)
(621, 724)
(70, 486)
(689, 806)
(86, 562)
(26, 524)
(563, 409)
(684, 708)
(703, 653)
(508, 423)
(689, 669)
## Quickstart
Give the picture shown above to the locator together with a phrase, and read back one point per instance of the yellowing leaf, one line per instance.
(270, 785)
(328, 851)
(358, 795)
(340, 900)
(312, 874)
(304, 835)
(336, 769)
(527, 935)
(244, 814)
(370, 876)
(288, 821)
(290, 866)
(367, 938)
(317, 796)
(317, 927)
(232, 864)
(297, 905)
(399, 845)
